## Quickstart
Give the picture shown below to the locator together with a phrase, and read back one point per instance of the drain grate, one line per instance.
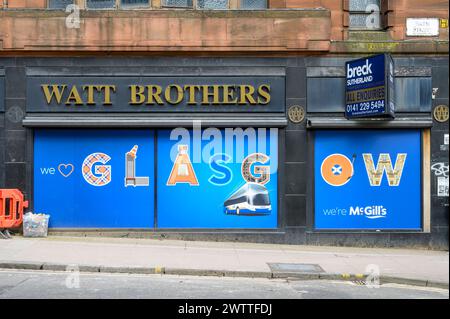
(295, 268)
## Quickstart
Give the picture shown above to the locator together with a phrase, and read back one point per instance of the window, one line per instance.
(253, 4)
(212, 4)
(100, 4)
(361, 5)
(177, 3)
(59, 4)
(134, 3)
(412, 94)
(191, 4)
(333, 101)
(365, 14)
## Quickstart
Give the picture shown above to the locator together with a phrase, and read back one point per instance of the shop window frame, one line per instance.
(425, 188)
(281, 138)
(281, 209)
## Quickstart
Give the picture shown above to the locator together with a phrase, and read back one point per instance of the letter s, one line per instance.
(225, 173)
(264, 94)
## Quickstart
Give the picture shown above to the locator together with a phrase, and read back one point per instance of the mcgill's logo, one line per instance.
(371, 212)
(363, 70)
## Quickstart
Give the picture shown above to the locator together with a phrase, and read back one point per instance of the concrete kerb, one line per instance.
(21, 265)
(295, 275)
(128, 270)
(414, 282)
(215, 273)
(56, 267)
(437, 284)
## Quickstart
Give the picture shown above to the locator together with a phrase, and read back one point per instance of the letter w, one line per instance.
(375, 175)
(56, 92)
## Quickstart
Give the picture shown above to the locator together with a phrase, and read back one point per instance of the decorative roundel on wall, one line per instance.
(296, 114)
(440, 113)
(15, 114)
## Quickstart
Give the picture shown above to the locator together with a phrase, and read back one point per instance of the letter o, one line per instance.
(336, 170)
(168, 96)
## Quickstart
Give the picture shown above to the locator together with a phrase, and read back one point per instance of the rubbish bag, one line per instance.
(35, 225)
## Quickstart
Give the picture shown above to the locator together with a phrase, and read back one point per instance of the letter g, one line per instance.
(103, 172)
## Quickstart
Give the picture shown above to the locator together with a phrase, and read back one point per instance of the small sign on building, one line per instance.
(422, 27)
(370, 87)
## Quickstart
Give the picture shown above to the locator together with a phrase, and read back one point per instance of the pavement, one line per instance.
(231, 259)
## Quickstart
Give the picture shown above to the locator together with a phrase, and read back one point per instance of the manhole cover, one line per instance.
(300, 268)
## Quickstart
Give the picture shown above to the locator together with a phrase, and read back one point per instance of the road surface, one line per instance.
(40, 284)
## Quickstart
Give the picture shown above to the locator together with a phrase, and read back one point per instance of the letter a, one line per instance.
(182, 170)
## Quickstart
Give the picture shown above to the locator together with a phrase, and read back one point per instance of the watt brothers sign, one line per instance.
(155, 94)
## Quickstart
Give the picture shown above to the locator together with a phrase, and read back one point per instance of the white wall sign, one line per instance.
(422, 27)
(442, 186)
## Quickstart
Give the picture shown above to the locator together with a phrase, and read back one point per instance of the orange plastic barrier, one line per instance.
(11, 208)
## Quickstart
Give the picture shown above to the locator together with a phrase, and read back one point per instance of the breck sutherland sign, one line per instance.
(155, 94)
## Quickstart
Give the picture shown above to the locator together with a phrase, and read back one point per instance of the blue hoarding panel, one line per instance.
(95, 178)
(214, 179)
(368, 179)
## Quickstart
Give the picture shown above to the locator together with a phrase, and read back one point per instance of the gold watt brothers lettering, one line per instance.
(152, 94)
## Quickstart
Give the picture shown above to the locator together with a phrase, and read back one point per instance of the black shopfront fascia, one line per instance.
(272, 117)
(122, 112)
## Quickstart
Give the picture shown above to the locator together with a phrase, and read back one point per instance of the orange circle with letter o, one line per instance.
(336, 169)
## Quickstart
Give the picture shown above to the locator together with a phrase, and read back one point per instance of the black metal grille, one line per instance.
(212, 4)
(134, 3)
(253, 4)
(177, 3)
